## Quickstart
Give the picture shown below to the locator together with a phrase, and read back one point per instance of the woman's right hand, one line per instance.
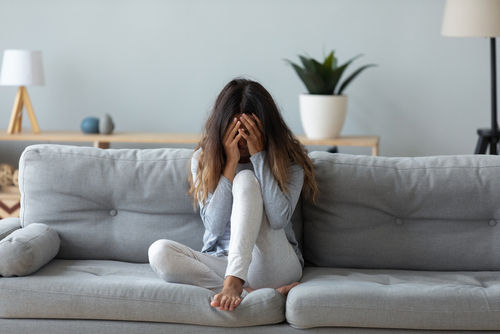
(231, 142)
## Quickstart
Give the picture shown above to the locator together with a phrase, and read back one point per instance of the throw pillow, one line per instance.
(28, 249)
(9, 225)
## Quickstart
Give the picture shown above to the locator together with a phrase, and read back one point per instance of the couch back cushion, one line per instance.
(424, 213)
(110, 204)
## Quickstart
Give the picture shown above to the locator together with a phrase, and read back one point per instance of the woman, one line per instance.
(247, 174)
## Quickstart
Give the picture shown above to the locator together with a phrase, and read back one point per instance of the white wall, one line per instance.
(158, 65)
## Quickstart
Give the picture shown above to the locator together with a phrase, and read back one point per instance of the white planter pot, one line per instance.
(322, 116)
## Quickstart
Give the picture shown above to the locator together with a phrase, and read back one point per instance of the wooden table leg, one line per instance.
(101, 144)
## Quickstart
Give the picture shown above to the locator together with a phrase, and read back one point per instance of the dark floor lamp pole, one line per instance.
(474, 18)
(491, 136)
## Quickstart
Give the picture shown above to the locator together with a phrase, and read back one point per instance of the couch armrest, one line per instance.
(9, 225)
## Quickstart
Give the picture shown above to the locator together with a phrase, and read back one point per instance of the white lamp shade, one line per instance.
(22, 68)
(471, 18)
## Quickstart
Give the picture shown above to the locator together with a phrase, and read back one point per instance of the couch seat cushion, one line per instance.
(112, 290)
(395, 299)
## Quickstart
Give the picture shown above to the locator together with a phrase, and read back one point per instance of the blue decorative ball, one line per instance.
(90, 125)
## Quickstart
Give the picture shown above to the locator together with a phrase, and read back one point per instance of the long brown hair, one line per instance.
(246, 96)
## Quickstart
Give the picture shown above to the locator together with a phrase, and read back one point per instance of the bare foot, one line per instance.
(284, 290)
(230, 296)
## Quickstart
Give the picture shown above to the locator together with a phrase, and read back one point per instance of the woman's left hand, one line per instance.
(254, 138)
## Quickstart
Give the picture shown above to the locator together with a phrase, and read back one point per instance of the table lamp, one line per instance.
(22, 68)
(478, 18)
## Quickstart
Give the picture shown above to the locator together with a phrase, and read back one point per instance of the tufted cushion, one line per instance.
(425, 213)
(395, 299)
(109, 204)
(113, 290)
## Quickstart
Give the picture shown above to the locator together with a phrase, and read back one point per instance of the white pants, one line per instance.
(260, 256)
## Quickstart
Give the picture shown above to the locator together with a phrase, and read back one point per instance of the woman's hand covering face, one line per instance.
(254, 136)
(231, 138)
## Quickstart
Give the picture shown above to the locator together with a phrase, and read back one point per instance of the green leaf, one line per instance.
(297, 68)
(314, 83)
(308, 64)
(323, 78)
(337, 74)
(355, 74)
(311, 80)
(335, 77)
(329, 61)
(334, 63)
(324, 71)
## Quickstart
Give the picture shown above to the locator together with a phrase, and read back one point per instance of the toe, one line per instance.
(215, 302)
(236, 303)
(222, 303)
(233, 304)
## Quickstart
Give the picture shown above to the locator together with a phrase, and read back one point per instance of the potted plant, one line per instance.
(323, 110)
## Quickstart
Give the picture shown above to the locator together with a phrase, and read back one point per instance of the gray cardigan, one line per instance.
(279, 206)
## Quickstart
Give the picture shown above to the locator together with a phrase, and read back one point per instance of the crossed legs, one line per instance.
(259, 257)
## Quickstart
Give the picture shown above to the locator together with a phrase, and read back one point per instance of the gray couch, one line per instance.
(393, 245)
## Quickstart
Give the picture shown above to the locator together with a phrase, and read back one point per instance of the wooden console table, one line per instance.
(103, 141)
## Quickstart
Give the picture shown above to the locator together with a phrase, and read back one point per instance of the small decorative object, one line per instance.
(90, 125)
(15, 178)
(9, 184)
(22, 68)
(323, 110)
(106, 125)
(6, 172)
(473, 18)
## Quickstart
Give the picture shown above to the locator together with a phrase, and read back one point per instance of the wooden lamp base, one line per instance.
(22, 99)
